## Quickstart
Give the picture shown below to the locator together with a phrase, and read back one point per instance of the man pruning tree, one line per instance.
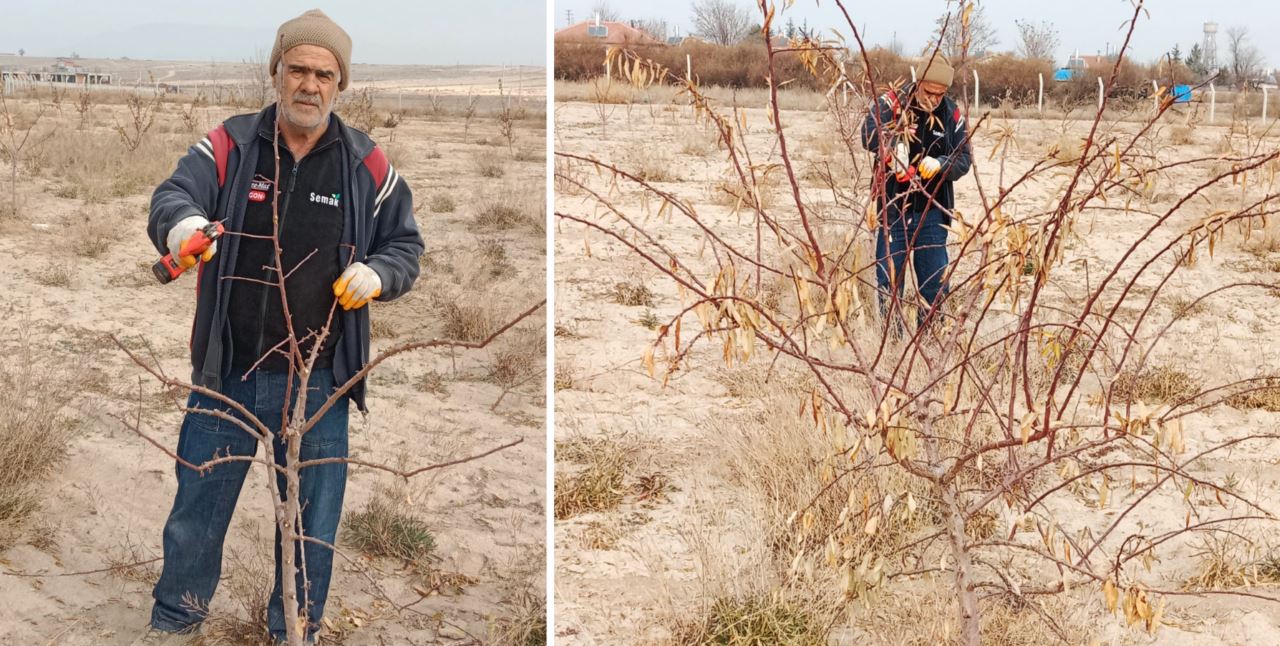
(919, 135)
(344, 222)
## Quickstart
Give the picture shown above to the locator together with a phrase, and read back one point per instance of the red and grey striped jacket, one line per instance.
(214, 180)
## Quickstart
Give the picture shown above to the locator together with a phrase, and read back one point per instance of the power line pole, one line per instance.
(568, 17)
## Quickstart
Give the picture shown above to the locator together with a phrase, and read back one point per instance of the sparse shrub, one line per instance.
(527, 623)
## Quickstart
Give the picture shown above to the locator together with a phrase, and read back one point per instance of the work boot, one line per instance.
(153, 637)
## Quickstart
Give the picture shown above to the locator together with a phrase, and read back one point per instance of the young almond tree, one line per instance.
(979, 436)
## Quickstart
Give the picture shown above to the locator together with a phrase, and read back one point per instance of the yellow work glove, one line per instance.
(181, 233)
(929, 167)
(357, 286)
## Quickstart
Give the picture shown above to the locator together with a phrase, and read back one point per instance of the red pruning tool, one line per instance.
(168, 268)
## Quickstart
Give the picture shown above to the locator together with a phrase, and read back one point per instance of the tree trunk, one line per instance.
(970, 619)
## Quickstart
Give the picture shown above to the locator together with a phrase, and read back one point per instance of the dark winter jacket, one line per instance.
(947, 141)
(215, 180)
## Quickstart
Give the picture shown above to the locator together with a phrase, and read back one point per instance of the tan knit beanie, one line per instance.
(939, 70)
(314, 28)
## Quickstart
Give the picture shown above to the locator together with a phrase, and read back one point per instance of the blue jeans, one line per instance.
(202, 508)
(926, 240)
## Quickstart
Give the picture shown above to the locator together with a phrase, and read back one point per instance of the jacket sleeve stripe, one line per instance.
(392, 178)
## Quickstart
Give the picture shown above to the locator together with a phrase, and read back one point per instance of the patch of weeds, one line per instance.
(751, 621)
(600, 536)
(385, 528)
(649, 320)
(1264, 396)
(53, 275)
(598, 485)
(442, 203)
(494, 253)
(1158, 384)
(519, 359)
(432, 382)
(466, 322)
(526, 624)
(652, 487)
(1182, 308)
(566, 378)
(33, 441)
(381, 328)
(489, 166)
(632, 295)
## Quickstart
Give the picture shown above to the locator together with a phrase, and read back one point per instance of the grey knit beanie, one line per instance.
(314, 28)
(939, 70)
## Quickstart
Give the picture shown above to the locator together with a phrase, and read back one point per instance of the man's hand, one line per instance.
(357, 286)
(181, 233)
(929, 167)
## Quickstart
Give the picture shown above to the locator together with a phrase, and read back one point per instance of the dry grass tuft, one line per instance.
(751, 621)
(1181, 135)
(386, 527)
(249, 582)
(527, 623)
(1181, 307)
(566, 377)
(598, 485)
(511, 206)
(468, 322)
(632, 294)
(1259, 397)
(33, 440)
(490, 165)
(442, 203)
(520, 359)
(1156, 384)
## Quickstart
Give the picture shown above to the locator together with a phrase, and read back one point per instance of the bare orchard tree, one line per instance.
(959, 43)
(656, 27)
(261, 90)
(1005, 403)
(604, 11)
(1245, 59)
(722, 22)
(1037, 41)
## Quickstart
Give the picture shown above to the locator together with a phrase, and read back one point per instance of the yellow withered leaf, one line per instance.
(648, 360)
(1111, 594)
(872, 524)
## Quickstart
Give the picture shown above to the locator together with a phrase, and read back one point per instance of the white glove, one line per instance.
(900, 161)
(929, 167)
(356, 286)
(181, 232)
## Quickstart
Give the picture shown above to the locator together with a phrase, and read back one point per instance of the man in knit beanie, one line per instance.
(302, 187)
(919, 134)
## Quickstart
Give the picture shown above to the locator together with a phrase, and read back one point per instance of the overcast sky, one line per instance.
(396, 31)
(1086, 25)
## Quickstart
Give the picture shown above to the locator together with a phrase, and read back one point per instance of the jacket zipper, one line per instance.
(266, 292)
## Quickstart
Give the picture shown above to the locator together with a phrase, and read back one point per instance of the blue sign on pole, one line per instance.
(1182, 94)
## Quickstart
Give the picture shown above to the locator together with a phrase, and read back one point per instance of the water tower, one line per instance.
(1210, 46)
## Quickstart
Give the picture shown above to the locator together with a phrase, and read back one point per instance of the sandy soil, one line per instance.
(107, 502)
(662, 559)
